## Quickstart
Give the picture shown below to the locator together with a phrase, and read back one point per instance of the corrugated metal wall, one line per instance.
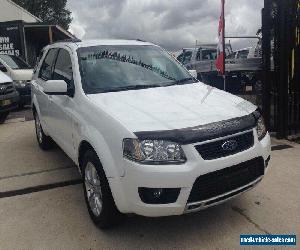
(281, 57)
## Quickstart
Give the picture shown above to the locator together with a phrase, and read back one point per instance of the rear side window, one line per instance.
(231, 56)
(46, 69)
(63, 67)
(243, 54)
(209, 54)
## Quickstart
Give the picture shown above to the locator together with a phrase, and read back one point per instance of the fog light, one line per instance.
(159, 195)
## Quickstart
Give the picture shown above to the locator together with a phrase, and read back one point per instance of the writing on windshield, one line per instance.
(117, 67)
(128, 59)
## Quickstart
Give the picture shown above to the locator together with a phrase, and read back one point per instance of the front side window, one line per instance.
(46, 68)
(180, 57)
(63, 67)
(116, 68)
(187, 56)
(14, 62)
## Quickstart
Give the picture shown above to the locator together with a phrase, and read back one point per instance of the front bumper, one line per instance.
(125, 189)
(13, 97)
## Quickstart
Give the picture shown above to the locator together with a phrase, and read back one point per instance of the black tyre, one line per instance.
(97, 193)
(3, 117)
(21, 106)
(45, 142)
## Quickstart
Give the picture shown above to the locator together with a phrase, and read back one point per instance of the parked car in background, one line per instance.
(201, 58)
(147, 137)
(21, 74)
(9, 97)
(246, 53)
(240, 65)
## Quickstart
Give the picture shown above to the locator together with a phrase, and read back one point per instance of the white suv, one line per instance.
(147, 137)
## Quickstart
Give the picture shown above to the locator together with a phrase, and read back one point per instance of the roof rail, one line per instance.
(69, 40)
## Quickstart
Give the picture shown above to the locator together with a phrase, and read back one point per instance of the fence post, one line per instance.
(283, 107)
(266, 60)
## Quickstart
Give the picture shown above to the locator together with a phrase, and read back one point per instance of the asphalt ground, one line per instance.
(42, 204)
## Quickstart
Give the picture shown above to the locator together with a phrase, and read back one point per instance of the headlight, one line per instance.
(261, 128)
(20, 84)
(153, 151)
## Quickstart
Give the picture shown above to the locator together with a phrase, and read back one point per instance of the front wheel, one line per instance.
(97, 193)
(45, 142)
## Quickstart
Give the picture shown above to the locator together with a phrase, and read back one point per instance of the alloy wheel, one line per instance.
(38, 129)
(93, 189)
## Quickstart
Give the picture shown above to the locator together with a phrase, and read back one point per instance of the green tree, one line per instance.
(52, 12)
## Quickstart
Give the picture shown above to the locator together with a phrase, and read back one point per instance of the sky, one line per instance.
(173, 24)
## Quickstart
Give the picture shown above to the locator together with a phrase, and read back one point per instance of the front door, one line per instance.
(61, 106)
(43, 99)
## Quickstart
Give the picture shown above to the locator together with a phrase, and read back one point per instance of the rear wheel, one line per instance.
(98, 196)
(45, 142)
(3, 117)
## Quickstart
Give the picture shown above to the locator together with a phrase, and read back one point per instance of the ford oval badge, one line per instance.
(230, 145)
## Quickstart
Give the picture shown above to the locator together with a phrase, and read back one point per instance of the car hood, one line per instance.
(22, 74)
(172, 107)
(4, 78)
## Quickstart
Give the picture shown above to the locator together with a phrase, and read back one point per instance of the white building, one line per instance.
(9, 11)
(23, 34)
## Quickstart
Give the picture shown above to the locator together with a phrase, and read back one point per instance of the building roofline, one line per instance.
(21, 8)
(40, 24)
(65, 31)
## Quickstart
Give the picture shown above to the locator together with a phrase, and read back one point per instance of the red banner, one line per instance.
(220, 61)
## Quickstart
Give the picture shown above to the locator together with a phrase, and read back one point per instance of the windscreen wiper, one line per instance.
(139, 86)
(185, 80)
(132, 87)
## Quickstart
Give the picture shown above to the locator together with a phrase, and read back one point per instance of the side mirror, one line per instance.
(55, 87)
(3, 68)
(193, 72)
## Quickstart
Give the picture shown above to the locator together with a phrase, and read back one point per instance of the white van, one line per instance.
(21, 74)
(9, 97)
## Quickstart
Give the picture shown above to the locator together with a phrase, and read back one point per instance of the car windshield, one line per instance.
(14, 62)
(117, 68)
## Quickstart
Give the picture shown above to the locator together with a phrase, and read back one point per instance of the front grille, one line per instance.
(225, 180)
(214, 150)
(9, 88)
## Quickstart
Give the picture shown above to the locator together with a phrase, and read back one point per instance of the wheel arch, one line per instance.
(35, 106)
(114, 183)
(84, 146)
(104, 156)
(33, 109)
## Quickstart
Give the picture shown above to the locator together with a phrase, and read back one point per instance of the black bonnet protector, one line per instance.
(203, 132)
